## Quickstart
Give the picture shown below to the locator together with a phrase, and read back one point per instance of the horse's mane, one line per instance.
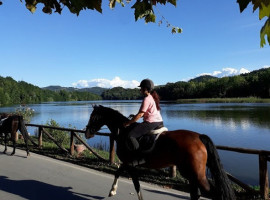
(9, 115)
(111, 113)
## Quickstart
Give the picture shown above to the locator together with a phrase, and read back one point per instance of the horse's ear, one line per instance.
(94, 106)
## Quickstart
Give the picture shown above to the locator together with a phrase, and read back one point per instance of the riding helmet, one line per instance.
(148, 84)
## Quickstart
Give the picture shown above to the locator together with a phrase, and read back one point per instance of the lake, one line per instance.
(236, 125)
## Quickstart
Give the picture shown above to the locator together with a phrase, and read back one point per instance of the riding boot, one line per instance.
(134, 147)
(133, 144)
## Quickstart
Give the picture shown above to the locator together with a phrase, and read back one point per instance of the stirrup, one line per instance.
(136, 162)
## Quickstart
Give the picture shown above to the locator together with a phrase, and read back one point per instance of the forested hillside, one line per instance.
(13, 92)
(119, 93)
(94, 90)
(253, 84)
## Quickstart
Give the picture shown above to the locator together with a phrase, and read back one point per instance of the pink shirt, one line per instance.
(151, 114)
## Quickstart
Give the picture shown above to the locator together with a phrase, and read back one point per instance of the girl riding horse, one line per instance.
(191, 152)
(150, 111)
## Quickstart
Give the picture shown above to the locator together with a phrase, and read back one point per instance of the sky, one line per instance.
(112, 49)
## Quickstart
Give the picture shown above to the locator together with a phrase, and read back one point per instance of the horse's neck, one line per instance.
(115, 124)
(114, 127)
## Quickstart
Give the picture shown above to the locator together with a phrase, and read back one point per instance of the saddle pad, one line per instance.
(157, 131)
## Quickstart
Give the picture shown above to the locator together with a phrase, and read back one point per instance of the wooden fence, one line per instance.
(264, 156)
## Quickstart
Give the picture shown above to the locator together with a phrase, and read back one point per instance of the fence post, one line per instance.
(39, 137)
(264, 182)
(112, 150)
(173, 171)
(72, 143)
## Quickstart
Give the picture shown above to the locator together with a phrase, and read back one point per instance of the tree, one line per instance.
(264, 11)
(143, 9)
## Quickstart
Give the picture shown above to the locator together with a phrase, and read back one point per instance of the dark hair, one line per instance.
(156, 98)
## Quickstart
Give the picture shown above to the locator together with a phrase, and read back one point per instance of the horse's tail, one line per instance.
(24, 132)
(223, 189)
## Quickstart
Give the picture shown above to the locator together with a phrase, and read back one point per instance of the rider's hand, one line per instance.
(126, 124)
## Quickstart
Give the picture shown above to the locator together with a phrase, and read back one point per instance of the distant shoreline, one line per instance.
(224, 100)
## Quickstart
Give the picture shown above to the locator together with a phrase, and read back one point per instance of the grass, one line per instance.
(158, 177)
(224, 100)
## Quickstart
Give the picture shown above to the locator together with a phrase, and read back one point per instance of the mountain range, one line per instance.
(94, 90)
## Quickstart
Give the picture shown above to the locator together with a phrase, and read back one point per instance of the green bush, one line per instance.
(26, 112)
(61, 137)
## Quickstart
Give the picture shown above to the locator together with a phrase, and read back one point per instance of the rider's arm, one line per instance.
(134, 119)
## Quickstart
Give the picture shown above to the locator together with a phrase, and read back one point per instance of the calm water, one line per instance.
(236, 125)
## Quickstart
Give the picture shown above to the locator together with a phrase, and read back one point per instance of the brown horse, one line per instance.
(191, 152)
(10, 124)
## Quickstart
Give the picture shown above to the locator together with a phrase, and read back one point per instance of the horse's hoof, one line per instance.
(5, 152)
(12, 154)
(112, 193)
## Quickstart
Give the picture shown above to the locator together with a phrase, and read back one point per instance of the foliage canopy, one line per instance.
(143, 9)
(264, 11)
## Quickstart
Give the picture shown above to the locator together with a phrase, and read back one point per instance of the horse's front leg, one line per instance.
(5, 140)
(134, 175)
(115, 182)
(195, 192)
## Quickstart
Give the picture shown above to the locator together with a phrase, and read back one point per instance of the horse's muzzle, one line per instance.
(89, 133)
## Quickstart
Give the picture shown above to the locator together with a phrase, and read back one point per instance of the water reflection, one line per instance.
(232, 115)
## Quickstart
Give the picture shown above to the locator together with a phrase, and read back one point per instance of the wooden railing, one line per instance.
(73, 135)
(264, 156)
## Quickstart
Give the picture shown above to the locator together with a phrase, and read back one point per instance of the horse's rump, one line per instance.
(177, 147)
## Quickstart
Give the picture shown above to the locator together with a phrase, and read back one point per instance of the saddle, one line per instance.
(147, 142)
(2, 120)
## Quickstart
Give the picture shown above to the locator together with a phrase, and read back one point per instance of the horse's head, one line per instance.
(95, 122)
(104, 116)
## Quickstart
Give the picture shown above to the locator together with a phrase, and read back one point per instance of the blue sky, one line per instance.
(111, 49)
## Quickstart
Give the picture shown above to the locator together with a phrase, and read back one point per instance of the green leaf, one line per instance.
(176, 30)
(179, 30)
(162, 1)
(142, 9)
(75, 6)
(243, 4)
(265, 31)
(31, 7)
(173, 2)
(112, 4)
(150, 18)
(47, 10)
(264, 11)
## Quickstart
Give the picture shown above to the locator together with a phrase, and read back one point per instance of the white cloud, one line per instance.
(243, 71)
(226, 72)
(105, 83)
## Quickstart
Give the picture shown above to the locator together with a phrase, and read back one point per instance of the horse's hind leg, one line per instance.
(14, 147)
(27, 150)
(115, 182)
(24, 133)
(13, 138)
